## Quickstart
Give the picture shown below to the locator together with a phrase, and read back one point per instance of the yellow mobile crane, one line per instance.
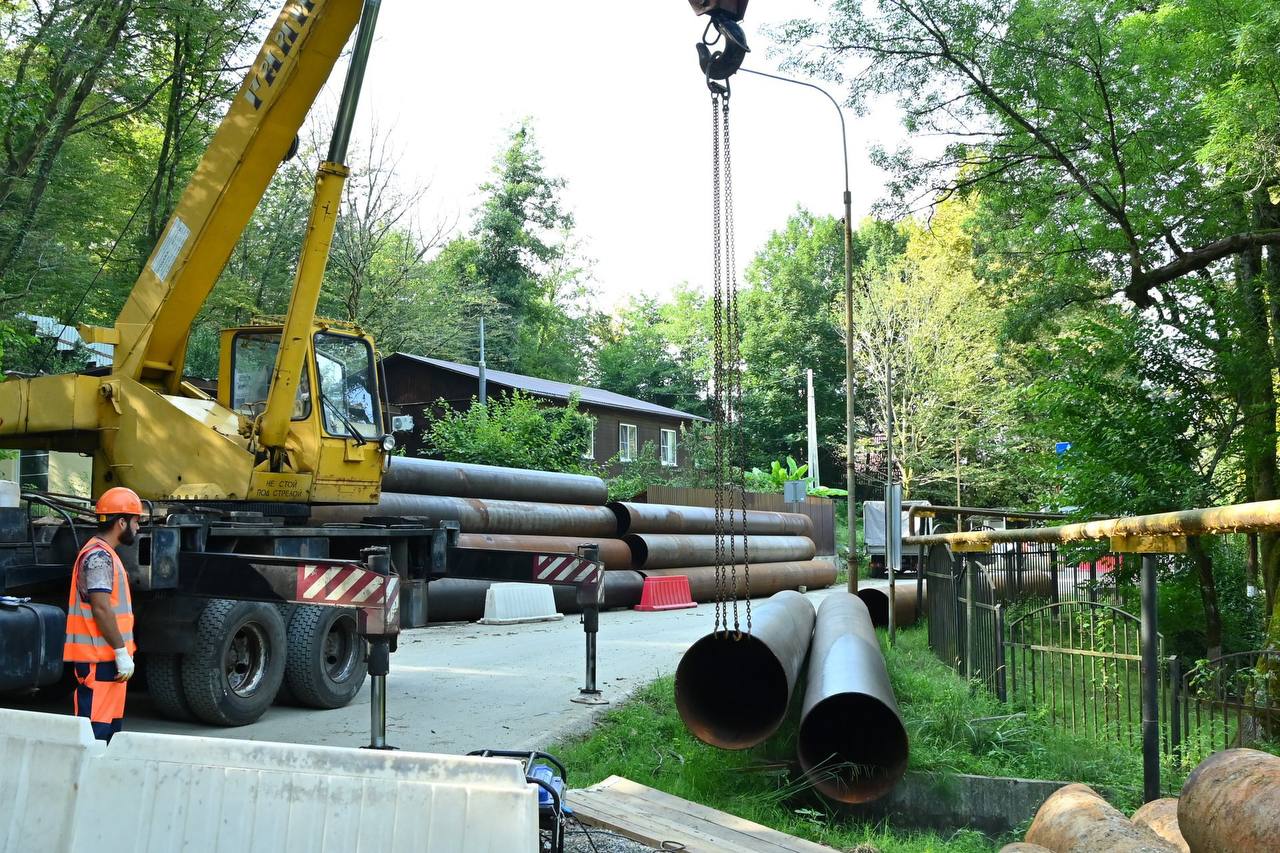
(236, 597)
(296, 418)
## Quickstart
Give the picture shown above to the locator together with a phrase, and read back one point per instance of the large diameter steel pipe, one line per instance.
(877, 600)
(462, 599)
(733, 691)
(765, 578)
(1161, 817)
(1231, 802)
(481, 516)
(669, 518)
(1260, 515)
(463, 480)
(1076, 820)
(614, 553)
(673, 551)
(851, 744)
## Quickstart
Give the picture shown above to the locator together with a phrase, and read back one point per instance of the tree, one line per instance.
(658, 351)
(521, 236)
(792, 316)
(1100, 178)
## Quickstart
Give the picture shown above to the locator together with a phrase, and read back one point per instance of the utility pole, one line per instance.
(958, 501)
(892, 497)
(484, 388)
(814, 477)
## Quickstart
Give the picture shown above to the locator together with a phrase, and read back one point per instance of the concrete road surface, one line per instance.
(455, 688)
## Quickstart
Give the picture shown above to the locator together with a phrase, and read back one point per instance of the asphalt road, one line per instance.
(455, 688)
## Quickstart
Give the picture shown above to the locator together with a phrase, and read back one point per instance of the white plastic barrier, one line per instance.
(149, 793)
(510, 603)
(42, 757)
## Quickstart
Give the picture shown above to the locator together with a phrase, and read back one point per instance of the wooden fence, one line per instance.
(822, 511)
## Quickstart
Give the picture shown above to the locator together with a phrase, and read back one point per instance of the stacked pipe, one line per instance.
(733, 692)
(1229, 804)
(777, 552)
(539, 511)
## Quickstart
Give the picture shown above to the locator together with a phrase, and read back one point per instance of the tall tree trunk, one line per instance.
(1208, 598)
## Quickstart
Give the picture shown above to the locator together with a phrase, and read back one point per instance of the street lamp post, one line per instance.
(848, 325)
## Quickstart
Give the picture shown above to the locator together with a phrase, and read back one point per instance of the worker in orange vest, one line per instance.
(99, 644)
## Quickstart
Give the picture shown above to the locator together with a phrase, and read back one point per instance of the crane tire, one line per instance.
(164, 683)
(326, 662)
(235, 669)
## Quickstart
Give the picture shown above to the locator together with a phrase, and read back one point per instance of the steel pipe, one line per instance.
(463, 480)
(877, 600)
(671, 550)
(1076, 820)
(766, 578)
(1231, 802)
(669, 518)
(462, 599)
(733, 691)
(1161, 817)
(614, 553)
(1260, 515)
(481, 516)
(851, 743)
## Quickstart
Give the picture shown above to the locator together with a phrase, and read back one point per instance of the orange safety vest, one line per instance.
(84, 642)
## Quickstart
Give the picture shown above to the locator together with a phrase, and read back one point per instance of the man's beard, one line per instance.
(128, 536)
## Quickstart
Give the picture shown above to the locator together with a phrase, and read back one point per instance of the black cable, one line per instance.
(583, 829)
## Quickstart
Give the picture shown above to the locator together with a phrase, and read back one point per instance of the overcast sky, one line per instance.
(621, 114)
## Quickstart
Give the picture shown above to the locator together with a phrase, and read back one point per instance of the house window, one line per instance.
(668, 441)
(626, 442)
(590, 452)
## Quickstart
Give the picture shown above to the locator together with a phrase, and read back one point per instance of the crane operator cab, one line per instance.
(336, 445)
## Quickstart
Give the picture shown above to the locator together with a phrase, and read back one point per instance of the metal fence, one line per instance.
(1233, 700)
(1044, 635)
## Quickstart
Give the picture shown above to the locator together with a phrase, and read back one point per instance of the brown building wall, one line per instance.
(415, 388)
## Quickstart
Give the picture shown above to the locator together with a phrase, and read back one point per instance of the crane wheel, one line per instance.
(164, 683)
(237, 665)
(326, 663)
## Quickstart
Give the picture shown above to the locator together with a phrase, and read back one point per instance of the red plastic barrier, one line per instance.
(665, 593)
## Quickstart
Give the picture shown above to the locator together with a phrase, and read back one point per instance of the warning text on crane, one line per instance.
(165, 256)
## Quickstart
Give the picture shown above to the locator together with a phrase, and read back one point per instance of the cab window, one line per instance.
(253, 358)
(348, 398)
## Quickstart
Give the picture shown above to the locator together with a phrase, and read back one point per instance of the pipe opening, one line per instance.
(731, 693)
(877, 602)
(853, 747)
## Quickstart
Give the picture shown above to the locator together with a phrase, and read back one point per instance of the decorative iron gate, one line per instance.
(1230, 701)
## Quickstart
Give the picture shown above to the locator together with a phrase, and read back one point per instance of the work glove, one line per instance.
(124, 665)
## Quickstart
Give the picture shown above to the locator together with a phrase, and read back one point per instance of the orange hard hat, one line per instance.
(118, 501)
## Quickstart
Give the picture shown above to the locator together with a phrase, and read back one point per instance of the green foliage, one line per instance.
(517, 431)
(636, 474)
(776, 477)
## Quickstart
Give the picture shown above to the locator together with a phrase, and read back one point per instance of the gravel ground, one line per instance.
(577, 842)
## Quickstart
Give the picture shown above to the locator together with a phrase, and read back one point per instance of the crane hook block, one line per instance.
(735, 9)
(721, 64)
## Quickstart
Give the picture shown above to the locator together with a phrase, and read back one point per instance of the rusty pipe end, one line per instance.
(853, 747)
(731, 693)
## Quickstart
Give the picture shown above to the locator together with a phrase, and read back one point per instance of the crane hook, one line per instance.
(721, 64)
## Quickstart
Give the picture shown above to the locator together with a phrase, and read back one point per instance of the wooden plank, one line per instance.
(651, 817)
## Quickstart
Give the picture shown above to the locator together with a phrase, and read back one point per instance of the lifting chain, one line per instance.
(730, 490)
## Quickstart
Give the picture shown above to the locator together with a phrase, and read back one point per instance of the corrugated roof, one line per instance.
(549, 388)
(68, 338)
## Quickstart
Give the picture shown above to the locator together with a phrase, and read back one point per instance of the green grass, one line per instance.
(644, 740)
(954, 727)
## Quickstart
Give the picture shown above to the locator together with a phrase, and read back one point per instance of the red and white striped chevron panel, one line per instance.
(553, 568)
(339, 585)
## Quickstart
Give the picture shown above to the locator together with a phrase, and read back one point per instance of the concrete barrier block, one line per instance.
(510, 603)
(42, 760)
(159, 793)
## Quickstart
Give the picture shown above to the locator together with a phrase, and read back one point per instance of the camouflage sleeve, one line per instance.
(97, 573)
